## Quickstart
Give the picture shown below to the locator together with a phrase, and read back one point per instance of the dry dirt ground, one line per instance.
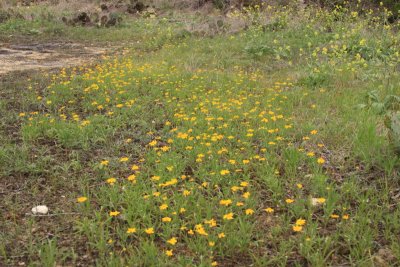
(26, 57)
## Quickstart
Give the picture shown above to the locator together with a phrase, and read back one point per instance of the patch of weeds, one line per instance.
(258, 50)
(279, 23)
(315, 80)
(67, 134)
(259, 46)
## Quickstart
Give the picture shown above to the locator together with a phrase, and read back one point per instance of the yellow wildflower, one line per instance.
(163, 207)
(269, 210)
(135, 167)
(131, 230)
(249, 211)
(123, 159)
(114, 213)
(289, 201)
(111, 180)
(297, 228)
(225, 202)
(224, 172)
(81, 199)
(166, 219)
(149, 231)
(228, 216)
(169, 253)
(131, 177)
(300, 222)
(172, 241)
(246, 195)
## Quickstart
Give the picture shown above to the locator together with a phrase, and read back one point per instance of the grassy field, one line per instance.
(276, 145)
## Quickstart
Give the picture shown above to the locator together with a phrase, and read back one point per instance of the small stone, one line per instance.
(40, 210)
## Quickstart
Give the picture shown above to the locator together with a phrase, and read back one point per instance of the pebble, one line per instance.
(40, 210)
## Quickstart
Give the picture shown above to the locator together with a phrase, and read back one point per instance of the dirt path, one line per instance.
(46, 56)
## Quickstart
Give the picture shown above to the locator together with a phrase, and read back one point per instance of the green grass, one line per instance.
(211, 129)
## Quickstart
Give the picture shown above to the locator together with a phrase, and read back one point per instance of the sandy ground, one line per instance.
(45, 56)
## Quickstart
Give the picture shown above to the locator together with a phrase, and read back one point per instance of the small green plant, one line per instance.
(389, 108)
(48, 253)
(315, 80)
(258, 49)
(392, 122)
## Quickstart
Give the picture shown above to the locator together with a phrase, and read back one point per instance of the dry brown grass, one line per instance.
(55, 8)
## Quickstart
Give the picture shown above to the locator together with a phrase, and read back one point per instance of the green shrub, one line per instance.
(389, 107)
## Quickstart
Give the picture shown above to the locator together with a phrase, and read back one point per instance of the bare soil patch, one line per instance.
(14, 57)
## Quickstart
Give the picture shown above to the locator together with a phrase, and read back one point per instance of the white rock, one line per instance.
(40, 210)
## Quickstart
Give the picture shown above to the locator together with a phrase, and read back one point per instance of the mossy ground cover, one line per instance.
(254, 148)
